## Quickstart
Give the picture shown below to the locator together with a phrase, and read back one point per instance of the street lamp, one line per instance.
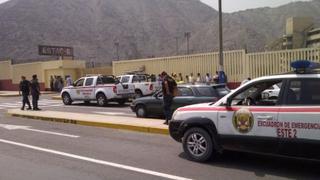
(222, 77)
(187, 35)
(116, 44)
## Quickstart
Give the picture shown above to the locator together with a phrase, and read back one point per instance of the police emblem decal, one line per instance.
(243, 120)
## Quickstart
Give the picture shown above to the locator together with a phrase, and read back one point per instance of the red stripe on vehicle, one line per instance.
(255, 109)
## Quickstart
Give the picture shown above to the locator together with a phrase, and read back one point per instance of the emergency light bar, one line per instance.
(302, 66)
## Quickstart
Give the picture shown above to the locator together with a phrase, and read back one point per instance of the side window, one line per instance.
(259, 94)
(89, 82)
(79, 83)
(303, 92)
(125, 79)
(99, 81)
(206, 91)
(135, 79)
(183, 91)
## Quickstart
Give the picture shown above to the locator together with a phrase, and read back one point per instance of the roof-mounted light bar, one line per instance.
(303, 66)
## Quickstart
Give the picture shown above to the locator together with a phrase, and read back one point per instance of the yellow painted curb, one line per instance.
(144, 129)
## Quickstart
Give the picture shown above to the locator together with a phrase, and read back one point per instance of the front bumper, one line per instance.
(175, 130)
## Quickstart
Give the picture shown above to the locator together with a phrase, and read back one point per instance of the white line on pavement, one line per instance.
(97, 161)
(110, 113)
(53, 133)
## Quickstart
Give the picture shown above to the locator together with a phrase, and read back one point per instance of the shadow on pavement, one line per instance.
(262, 165)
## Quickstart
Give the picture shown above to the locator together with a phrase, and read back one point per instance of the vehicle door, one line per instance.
(76, 91)
(300, 114)
(155, 103)
(124, 87)
(88, 91)
(205, 94)
(186, 96)
(250, 120)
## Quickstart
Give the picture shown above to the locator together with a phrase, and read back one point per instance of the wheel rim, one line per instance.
(101, 100)
(197, 144)
(66, 99)
(140, 112)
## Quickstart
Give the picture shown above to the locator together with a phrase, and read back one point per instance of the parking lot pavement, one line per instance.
(101, 120)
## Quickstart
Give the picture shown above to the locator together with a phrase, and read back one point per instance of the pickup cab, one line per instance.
(144, 85)
(102, 89)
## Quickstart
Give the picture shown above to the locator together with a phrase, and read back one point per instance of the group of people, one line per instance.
(57, 83)
(25, 88)
(199, 79)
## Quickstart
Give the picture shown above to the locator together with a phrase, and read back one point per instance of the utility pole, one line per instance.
(187, 35)
(177, 45)
(220, 37)
(116, 44)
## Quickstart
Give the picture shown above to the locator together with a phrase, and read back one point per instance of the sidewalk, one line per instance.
(116, 122)
(57, 97)
(16, 93)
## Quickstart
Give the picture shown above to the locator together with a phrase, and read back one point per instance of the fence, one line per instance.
(238, 65)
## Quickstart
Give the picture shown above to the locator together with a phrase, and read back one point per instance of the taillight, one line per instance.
(151, 87)
(114, 89)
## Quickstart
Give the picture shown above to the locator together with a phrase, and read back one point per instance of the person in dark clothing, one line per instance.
(24, 89)
(35, 92)
(168, 85)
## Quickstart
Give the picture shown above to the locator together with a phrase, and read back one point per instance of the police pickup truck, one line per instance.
(143, 84)
(245, 120)
(97, 88)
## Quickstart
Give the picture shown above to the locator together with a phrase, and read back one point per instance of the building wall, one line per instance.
(10, 75)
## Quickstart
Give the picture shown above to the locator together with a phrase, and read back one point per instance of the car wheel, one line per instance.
(141, 111)
(197, 144)
(122, 101)
(138, 94)
(101, 99)
(66, 99)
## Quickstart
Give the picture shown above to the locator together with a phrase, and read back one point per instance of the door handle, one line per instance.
(269, 118)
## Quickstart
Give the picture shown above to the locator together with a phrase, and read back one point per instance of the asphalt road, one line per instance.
(37, 150)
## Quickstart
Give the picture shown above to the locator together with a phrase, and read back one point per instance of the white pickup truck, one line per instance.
(97, 88)
(144, 85)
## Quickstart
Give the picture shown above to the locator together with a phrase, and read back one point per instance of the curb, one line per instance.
(143, 129)
(56, 98)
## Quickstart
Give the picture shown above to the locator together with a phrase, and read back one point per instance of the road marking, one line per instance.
(96, 161)
(28, 128)
(110, 113)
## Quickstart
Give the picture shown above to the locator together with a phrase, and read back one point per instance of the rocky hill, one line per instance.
(142, 28)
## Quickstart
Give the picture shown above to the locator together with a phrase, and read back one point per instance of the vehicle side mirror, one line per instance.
(229, 100)
(117, 81)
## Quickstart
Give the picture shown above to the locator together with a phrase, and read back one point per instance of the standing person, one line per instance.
(187, 79)
(199, 79)
(168, 88)
(208, 78)
(52, 83)
(180, 77)
(216, 78)
(69, 81)
(35, 92)
(191, 78)
(24, 88)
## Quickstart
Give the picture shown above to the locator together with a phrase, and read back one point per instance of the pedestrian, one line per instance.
(168, 90)
(199, 78)
(187, 79)
(56, 83)
(191, 79)
(52, 83)
(35, 92)
(216, 78)
(208, 79)
(69, 81)
(180, 77)
(24, 89)
(223, 79)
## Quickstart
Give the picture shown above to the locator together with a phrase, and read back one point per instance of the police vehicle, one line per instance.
(97, 88)
(245, 120)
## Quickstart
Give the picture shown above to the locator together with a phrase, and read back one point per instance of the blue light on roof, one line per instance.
(301, 64)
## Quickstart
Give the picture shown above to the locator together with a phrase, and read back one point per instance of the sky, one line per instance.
(237, 5)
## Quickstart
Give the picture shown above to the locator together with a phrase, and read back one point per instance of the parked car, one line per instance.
(143, 84)
(97, 88)
(188, 94)
(244, 120)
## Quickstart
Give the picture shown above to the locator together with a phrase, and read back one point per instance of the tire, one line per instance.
(122, 101)
(66, 99)
(197, 144)
(141, 111)
(102, 100)
(138, 94)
